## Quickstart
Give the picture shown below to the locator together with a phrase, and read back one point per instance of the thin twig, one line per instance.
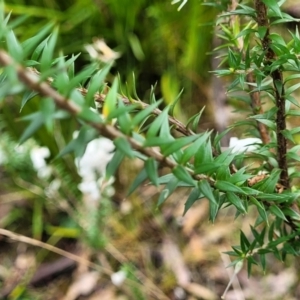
(152, 288)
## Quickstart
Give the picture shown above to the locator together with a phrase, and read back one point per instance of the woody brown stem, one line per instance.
(276, 75)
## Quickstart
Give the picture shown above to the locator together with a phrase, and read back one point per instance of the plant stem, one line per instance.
(270, 56)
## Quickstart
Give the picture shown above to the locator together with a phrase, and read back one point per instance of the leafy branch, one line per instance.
(109, 131)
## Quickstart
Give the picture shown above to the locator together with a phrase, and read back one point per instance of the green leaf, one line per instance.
(110, 100)
(263, 263)
(26, 97)
(48, 51)
(225, 157)
(114, 163)
(139, 117)
(268, 123)
(167, 191)
(78, 145)
(236, 201)
(278, 198)
(80, 78)
(156, 141)
(273, 4)
(244, 242)
(29, 44)
(157, 124)
(151, 169)
(280, 240)
(174, 103)
(166, 178)
(181, 173)
(239, 177)
(123, 145)
(260, 208)
(223, 173)
(177, 144)
(191, 150)
(291, 89)
(124, 119)
(96, 85)
(14, 48)
(275, 210)
(206, 190)
(134, 87)
(287, 211)
(47, 108)
(194, 120)
(122, 110)
(203, 154)
(37, 120)
(193, 197)
(250, 261)
(258, 238)
(88, 115)
(215, 206)
(227, 186)
(141, 177)
(268, 185)
(207, 168)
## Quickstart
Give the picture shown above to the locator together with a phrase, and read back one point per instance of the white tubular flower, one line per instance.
(244, 145)
(92, 165)
(38, 156)
(97, 155)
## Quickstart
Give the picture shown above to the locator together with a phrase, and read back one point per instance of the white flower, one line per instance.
(38, 156)
(91, 167)
(90, 189)
(100, 51)
(97, 155)
(118, 278)
(243, 145)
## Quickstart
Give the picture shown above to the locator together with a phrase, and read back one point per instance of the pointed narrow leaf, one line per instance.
(123, 145)
(110, 100)
(26, 97)
(181, 173)
(114, 164)
(206, 190)
(158, 122)
(178, 144)
(236, 201)
(275, 210)
(151, 169)
(36, 122)
(96, 84)
(193, 197)
(142, 176)
(29, 44)
(139, 117)
(167, 191)
(14, 48)
(227, 186)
